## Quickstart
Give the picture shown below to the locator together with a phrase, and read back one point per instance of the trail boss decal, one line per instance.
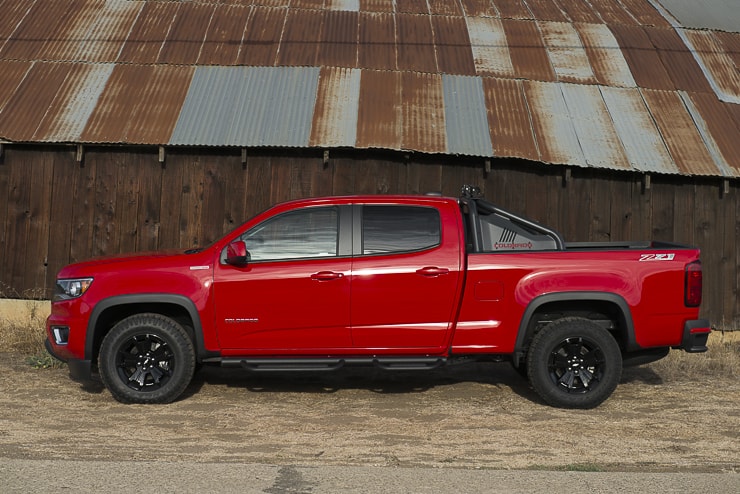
(657, 257)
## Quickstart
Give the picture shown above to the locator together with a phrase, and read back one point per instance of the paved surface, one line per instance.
(42, 476)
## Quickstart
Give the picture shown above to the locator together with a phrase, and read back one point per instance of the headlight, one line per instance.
(67, 289)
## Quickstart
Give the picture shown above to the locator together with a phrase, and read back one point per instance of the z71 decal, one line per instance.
(657, 257)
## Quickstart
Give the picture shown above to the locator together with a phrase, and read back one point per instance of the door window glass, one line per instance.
(307, 233)
(388, 229)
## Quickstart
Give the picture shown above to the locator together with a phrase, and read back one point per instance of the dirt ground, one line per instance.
(470, 416)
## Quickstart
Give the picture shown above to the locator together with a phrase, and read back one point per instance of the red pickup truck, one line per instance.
(395, 282)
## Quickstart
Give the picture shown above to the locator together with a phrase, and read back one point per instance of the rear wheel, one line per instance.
(574, 363)
(146, 358)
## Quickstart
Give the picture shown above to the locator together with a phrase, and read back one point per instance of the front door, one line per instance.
(293, 295)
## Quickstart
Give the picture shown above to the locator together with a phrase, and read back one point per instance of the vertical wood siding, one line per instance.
(54, 211)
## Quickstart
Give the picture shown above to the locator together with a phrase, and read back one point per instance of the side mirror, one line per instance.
(236, 253)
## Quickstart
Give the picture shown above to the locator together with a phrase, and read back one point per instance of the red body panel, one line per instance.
(432, 302)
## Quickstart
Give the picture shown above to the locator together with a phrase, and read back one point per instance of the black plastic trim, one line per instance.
(631, 342)
(695, 342)
(146, 298)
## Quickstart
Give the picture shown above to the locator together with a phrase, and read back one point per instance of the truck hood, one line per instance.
(116, 262)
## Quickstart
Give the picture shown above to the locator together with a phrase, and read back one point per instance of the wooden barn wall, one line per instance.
(123, 199)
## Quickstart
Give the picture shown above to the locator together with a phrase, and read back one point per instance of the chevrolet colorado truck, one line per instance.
(396, 282)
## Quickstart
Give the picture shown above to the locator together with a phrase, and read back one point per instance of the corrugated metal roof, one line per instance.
(706, 14)
(605, 83)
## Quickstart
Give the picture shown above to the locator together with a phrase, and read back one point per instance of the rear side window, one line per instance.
(389, 229)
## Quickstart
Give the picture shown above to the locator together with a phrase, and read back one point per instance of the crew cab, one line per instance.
(395, 282)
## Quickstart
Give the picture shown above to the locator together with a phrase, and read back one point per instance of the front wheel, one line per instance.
(146, 358)
(574, 363)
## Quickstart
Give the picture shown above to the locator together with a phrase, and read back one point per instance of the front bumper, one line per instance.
(80, 370)
(695, 335)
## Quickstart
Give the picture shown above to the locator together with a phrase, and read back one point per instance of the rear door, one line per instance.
(405, 276)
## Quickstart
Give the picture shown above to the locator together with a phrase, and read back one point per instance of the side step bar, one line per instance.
(332, 364)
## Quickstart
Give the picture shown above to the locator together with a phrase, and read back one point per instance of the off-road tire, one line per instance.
(146, 358)
(574, 363)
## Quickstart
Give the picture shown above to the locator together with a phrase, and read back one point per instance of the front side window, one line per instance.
(389, 229)
(301, 234)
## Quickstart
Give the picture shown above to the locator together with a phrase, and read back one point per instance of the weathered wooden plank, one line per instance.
(150, 176)
(191, 203)
(235, 198)
(214, 201)
(127, 201)
(662, 211)
(620, 195)
(83, 197)
(105, 229)
(706, 237)
(601, 214)
(60, 226)
(39, 211)
(19, 203)
(729, 260)
(4, 192)
(259, 168)
(171, 201)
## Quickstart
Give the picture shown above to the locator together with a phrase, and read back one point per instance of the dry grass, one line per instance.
(722, 359)
(26, 333)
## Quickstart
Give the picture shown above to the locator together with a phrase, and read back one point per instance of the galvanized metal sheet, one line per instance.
(348, 5)
(490, 47)
(423, 113)
(606, 58)
(338, 45)
(452, 45)
(596, 134)
(718, 129)
(379, 113)
(679, 132)
(553, 128)
(612, 12)
(377, 41)
(568, 57)
(475, 8)
(509, 120)
(636, 129)
(527, 49)
(335, 115)
(718, 66)
(465, 116)
(148, 33)
(73, 104)
(248, 106)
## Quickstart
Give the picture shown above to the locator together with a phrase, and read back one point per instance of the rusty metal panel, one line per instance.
(645, 13)
(606, 59)
(490, 48)
(509, 120)
(444, 7)
(679, 132)
(512, 9)
(678, 60)
(187, 33)
(224, 36)
(33, 34)
(262, 37)
(412, 6)
(148, 33)
(335, 115)
(338, 46)
(12, 74)
(731, 45)
(527, 49)
(594, 127)
(102, 30)
(718, 129)
(579, 11)
(74, 102)
(423, 114)
(553, 127)
(546, 10)
(415, 43)
(640, 137)
(476, 8)
(454, 55)
(466, 120)
(377, 41)
(567, 54)
(139, 105)
(717, 65)
(376, 6)
(613, 13)
(21, 115)
(13, 12)
(642, 58)
(379, 114)
(301, 36)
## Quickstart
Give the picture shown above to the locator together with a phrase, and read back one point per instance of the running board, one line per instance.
(332, 364)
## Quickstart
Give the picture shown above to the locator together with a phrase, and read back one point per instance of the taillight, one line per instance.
(693, 284)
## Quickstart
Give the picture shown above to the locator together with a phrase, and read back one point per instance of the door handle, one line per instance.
(326, 276)
(432, 271)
